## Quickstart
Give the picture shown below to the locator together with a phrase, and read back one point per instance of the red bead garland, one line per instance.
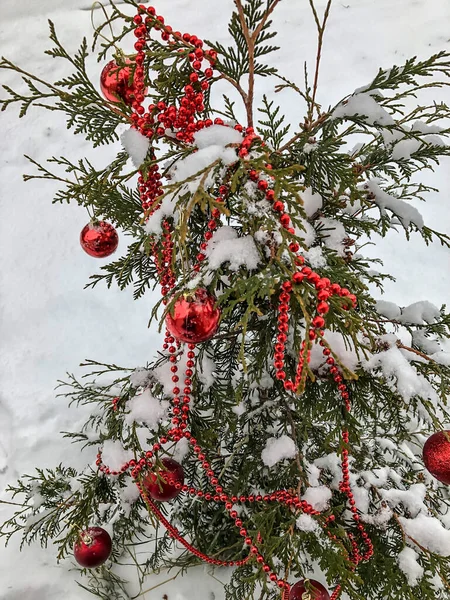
(184, 122)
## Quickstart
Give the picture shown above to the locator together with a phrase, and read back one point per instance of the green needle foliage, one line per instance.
(344, 173)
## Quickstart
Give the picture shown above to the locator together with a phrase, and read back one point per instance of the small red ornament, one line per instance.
(160, 484)
(436, 456)
(314, 591)
(93, 547)
(195, 318)
(99, 239)
(117, 83)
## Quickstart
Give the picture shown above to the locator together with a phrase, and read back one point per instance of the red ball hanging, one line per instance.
(99, 239)
(93, 547)
(160, 484)
(119, 83)
(195, 318)
(314, 591)
(436, 456)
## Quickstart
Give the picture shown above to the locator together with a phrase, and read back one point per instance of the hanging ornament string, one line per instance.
(184, 121)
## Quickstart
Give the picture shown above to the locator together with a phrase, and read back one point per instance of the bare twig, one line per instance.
(250, 40)
(320, 31)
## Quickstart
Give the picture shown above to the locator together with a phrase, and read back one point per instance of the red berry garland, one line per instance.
(183, 120)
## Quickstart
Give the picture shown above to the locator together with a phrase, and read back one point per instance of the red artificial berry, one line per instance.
(323, 308)
(93, 547)
(160, 484)
(318, 322)
(278, 206)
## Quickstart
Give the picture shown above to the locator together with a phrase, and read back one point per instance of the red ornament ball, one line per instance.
(99, 239)
(436, 456)
(119, 83)
(195, 318)
(314, 591)
(93, 547)
(160, 484)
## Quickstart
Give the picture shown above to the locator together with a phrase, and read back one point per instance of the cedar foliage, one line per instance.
(385, 430)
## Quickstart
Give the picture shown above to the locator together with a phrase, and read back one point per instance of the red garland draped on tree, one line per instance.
(195, 318)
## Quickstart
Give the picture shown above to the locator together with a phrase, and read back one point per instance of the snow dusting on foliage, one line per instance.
(428, 532)
(226, 247)
(136, 145)
(306, 523)
(407, 561)
(319, 497)
(408, 215)
(144, 408)
(114, 455)
(312, 202)
(364, 105)
(278, 449)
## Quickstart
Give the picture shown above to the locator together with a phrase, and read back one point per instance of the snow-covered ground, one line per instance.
(49, 324)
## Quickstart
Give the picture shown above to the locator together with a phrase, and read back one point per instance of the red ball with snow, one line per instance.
(313, 591)
(119, 83)
(161, 483)
(99, 239)
(195, 317)
(93, 547)
(436, 456)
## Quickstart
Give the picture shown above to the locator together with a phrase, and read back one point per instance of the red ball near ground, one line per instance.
(99, 239)
(195, 318)
(116, 85)
(93, 547)
(160, 484)
(315, 591)
(436, 456)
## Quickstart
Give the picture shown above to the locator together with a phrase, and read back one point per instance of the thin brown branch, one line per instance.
(251, 62)
(236, 85)
(418, 352)
(264, 19)
(320, 32)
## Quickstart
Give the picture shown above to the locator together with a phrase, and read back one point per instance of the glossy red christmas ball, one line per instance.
(195, 318)
(436, 456)
(99, 239)
(119, 83)
(93, 547)
(160, 484)
(315, 591)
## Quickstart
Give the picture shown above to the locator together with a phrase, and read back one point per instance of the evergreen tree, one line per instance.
(299, 419)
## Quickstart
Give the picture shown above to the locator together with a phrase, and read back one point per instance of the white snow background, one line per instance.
(49, 324)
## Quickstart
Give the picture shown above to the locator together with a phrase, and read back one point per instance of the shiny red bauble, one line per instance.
(99, 239)
(161, 484)
(119, 83)
(314, 591)
(93, 547)
(436, 456)
(195, 318)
